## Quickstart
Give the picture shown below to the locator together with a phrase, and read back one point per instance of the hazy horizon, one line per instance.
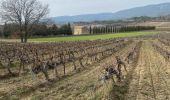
(78, 7)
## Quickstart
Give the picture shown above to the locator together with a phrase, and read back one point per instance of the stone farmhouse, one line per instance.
(80, 30)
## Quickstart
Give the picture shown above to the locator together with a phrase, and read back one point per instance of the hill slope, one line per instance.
(150, 10)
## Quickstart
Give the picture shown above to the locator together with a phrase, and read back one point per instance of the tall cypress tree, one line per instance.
(69, 30)
(90, 30)
(6, 30)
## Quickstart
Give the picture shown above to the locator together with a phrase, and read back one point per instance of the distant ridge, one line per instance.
(150, 11)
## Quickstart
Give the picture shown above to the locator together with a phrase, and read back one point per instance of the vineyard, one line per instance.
(74, 70)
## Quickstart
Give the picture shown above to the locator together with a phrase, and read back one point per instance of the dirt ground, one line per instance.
(151, 78)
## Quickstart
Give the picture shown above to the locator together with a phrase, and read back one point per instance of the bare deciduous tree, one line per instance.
(25, 13)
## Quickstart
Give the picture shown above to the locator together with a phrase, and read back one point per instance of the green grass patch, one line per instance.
(91, 37)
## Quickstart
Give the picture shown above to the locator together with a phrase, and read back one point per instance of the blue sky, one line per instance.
(76, 7)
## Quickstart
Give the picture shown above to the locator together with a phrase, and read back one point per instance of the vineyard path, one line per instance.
(151, 78)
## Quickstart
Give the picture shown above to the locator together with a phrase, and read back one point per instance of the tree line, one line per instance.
(116, 29)
(11, 30)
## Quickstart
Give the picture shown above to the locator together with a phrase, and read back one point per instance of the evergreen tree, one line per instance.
(90, 30)
(54, 30)
(6, 30)
(69, 30)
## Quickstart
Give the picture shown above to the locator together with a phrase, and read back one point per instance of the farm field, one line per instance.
(84, 50)
(80, 66)
(88, 37)
(92, 37)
